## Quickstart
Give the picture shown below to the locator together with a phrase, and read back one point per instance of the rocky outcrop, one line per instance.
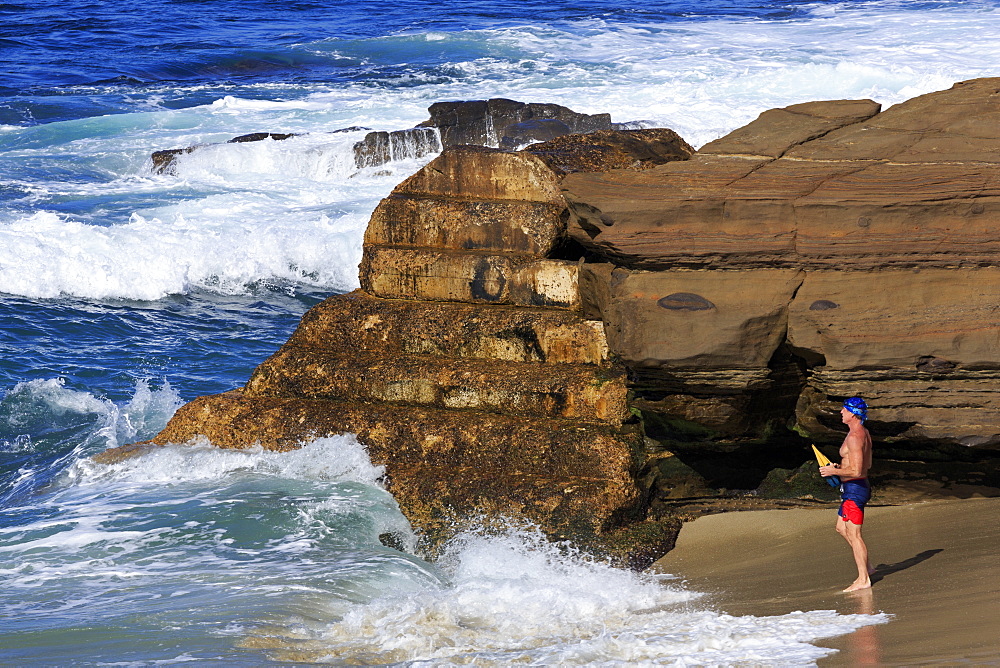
(828, 245)
(378, 148)
(497, 122)
(465, 362)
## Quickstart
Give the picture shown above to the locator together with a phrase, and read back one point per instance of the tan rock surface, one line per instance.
(890, 219)
(467, 276)
(431, 221)
(922, 347)
(896, 318)
(479, 173)
(694, 319)
(960, 407)
(916, 183)
(572, 391)
(357, 321)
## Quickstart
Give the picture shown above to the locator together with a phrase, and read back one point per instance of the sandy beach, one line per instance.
(938, 575)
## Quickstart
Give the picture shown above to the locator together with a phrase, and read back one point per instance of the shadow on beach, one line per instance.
(882, 570)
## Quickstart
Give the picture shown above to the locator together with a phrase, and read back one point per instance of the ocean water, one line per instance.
(124, 293)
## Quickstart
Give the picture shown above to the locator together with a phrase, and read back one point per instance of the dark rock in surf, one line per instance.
(164, 162)
(517, 135)
(485, 122)
(378, 148)
(261, 136)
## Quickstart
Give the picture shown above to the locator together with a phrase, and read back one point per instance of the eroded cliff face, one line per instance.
(859, 246)
(540, 332)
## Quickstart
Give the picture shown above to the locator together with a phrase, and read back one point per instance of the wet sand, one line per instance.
(938, 575)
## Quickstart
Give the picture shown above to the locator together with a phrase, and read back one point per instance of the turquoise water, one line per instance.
(124, 293)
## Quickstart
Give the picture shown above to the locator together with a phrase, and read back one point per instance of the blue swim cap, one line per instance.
(857, 406)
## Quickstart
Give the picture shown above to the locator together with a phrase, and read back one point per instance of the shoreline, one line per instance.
(937, 574)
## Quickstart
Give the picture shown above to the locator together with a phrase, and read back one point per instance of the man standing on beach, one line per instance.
(855, 460)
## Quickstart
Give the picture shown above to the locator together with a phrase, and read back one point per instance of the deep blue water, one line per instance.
(125, 293)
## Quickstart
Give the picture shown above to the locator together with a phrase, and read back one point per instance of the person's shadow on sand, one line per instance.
(882, 570)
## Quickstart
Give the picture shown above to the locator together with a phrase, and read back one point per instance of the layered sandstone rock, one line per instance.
(465, 363)
(859, 246)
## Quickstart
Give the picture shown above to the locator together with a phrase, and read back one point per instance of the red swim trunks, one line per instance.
(854, 495)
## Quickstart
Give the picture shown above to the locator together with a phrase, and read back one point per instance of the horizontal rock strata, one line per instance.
(816, 185)
(406, 327)
(885, 225)
(519, 308)
(565, 391)
(465, 363)
(478, 278)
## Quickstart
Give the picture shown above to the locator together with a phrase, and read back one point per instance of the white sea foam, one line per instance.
(292, 210)
(37, 406)
(221, 242)
(515, 598)
(332, 458)
(54, 397)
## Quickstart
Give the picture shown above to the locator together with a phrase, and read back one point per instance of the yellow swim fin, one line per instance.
(833, 481)
(820, 457)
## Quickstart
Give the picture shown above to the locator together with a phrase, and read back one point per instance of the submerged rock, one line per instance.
(378, 148)
(164, 162)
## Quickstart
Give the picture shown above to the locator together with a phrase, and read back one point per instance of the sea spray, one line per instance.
(46, 426)
(276, 556)
(513, 597)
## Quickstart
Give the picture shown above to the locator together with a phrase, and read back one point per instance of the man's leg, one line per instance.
(852, 534)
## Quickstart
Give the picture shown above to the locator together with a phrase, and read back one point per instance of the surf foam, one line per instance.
(513, 597)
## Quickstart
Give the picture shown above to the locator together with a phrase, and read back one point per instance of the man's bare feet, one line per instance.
(860, 584)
